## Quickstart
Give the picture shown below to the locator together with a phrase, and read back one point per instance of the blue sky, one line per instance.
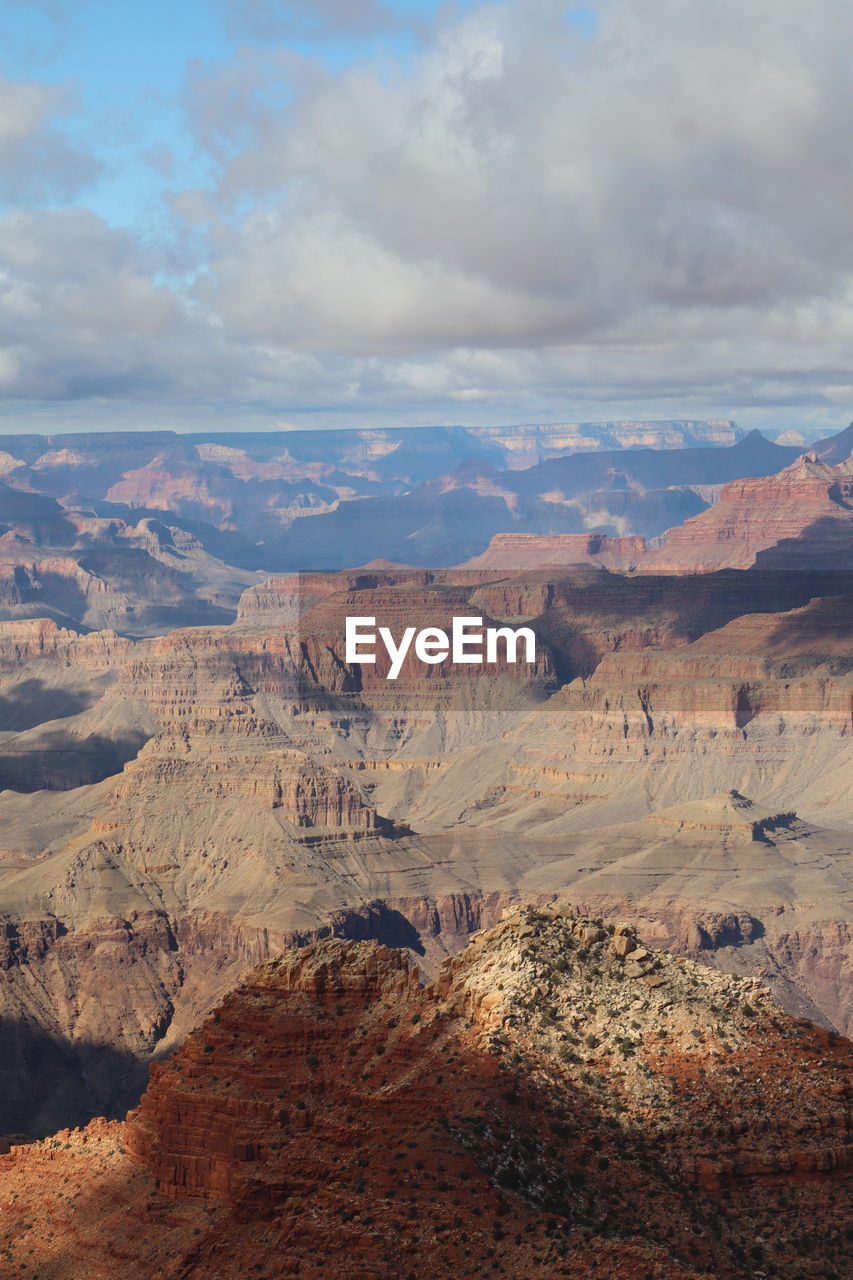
(274, 211)
(126, 65)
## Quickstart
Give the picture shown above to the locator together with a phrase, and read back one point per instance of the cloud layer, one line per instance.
(524, 217)
(37, 162)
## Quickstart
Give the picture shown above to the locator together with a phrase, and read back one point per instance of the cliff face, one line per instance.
(171, 528)
(245, 787)
(215, 506)
(531, 551)
(136, 577)
(42, 639)
(800, 518)
(560, 1100)
(727, 707)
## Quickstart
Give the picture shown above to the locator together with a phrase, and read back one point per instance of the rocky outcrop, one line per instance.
(561, 1096)
(42, 640)
(292, 595)
(93, 572)
(529, 551)
(727, 814)
(172, 527)
(800, 518)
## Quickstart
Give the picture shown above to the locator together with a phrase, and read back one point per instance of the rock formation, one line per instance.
(193, 803)
(198, 513)
(140, 577)
(800, 518)
(529, 551)
(561, 1100)
(180, 805)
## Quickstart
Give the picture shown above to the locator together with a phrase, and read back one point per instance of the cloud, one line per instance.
(528, 184)
(36, 161)
(78, 307)
(311, 19)
(87, 314)
(529, 215)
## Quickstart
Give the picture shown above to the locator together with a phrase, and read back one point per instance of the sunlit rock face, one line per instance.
(561, 1098)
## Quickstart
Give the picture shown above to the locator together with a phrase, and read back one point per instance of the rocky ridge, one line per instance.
(142, 533)
(800, 518)
(560, 1100)
(139, 577)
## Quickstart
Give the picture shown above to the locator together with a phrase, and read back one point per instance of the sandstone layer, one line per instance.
(801, 518)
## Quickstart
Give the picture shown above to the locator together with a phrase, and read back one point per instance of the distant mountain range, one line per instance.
(412, 454)
(146, 531)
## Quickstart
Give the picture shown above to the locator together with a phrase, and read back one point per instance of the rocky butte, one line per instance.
(800, 518)
(560, 1101)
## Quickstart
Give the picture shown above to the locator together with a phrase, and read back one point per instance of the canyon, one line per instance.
(559, 1100)
(800, 518)
(141, 531)
(180, 807)
(225, 842)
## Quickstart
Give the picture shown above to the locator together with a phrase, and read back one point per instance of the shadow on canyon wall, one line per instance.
(822, 547)
(378, 922)
(48, 1082)
(34, 701)
(57, 761)
(828, 622)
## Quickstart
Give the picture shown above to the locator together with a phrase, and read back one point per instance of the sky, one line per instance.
(372, 212)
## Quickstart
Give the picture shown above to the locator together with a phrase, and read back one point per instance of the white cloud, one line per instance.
(36, 161)
(522, 217)
(288, 19)
(688, 157)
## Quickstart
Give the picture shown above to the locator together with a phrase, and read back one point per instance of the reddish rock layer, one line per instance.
(801, 518)
(536, 551)
(560, 1102)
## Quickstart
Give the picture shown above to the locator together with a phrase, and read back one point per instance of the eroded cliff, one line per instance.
(561, 1100)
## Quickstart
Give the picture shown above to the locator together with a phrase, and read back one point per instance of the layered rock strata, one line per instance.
(800, 518)
(561, 1100)
(245, 787)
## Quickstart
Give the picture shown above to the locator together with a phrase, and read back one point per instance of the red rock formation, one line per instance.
(535, 551)
(560, 1101)
(802, 517)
